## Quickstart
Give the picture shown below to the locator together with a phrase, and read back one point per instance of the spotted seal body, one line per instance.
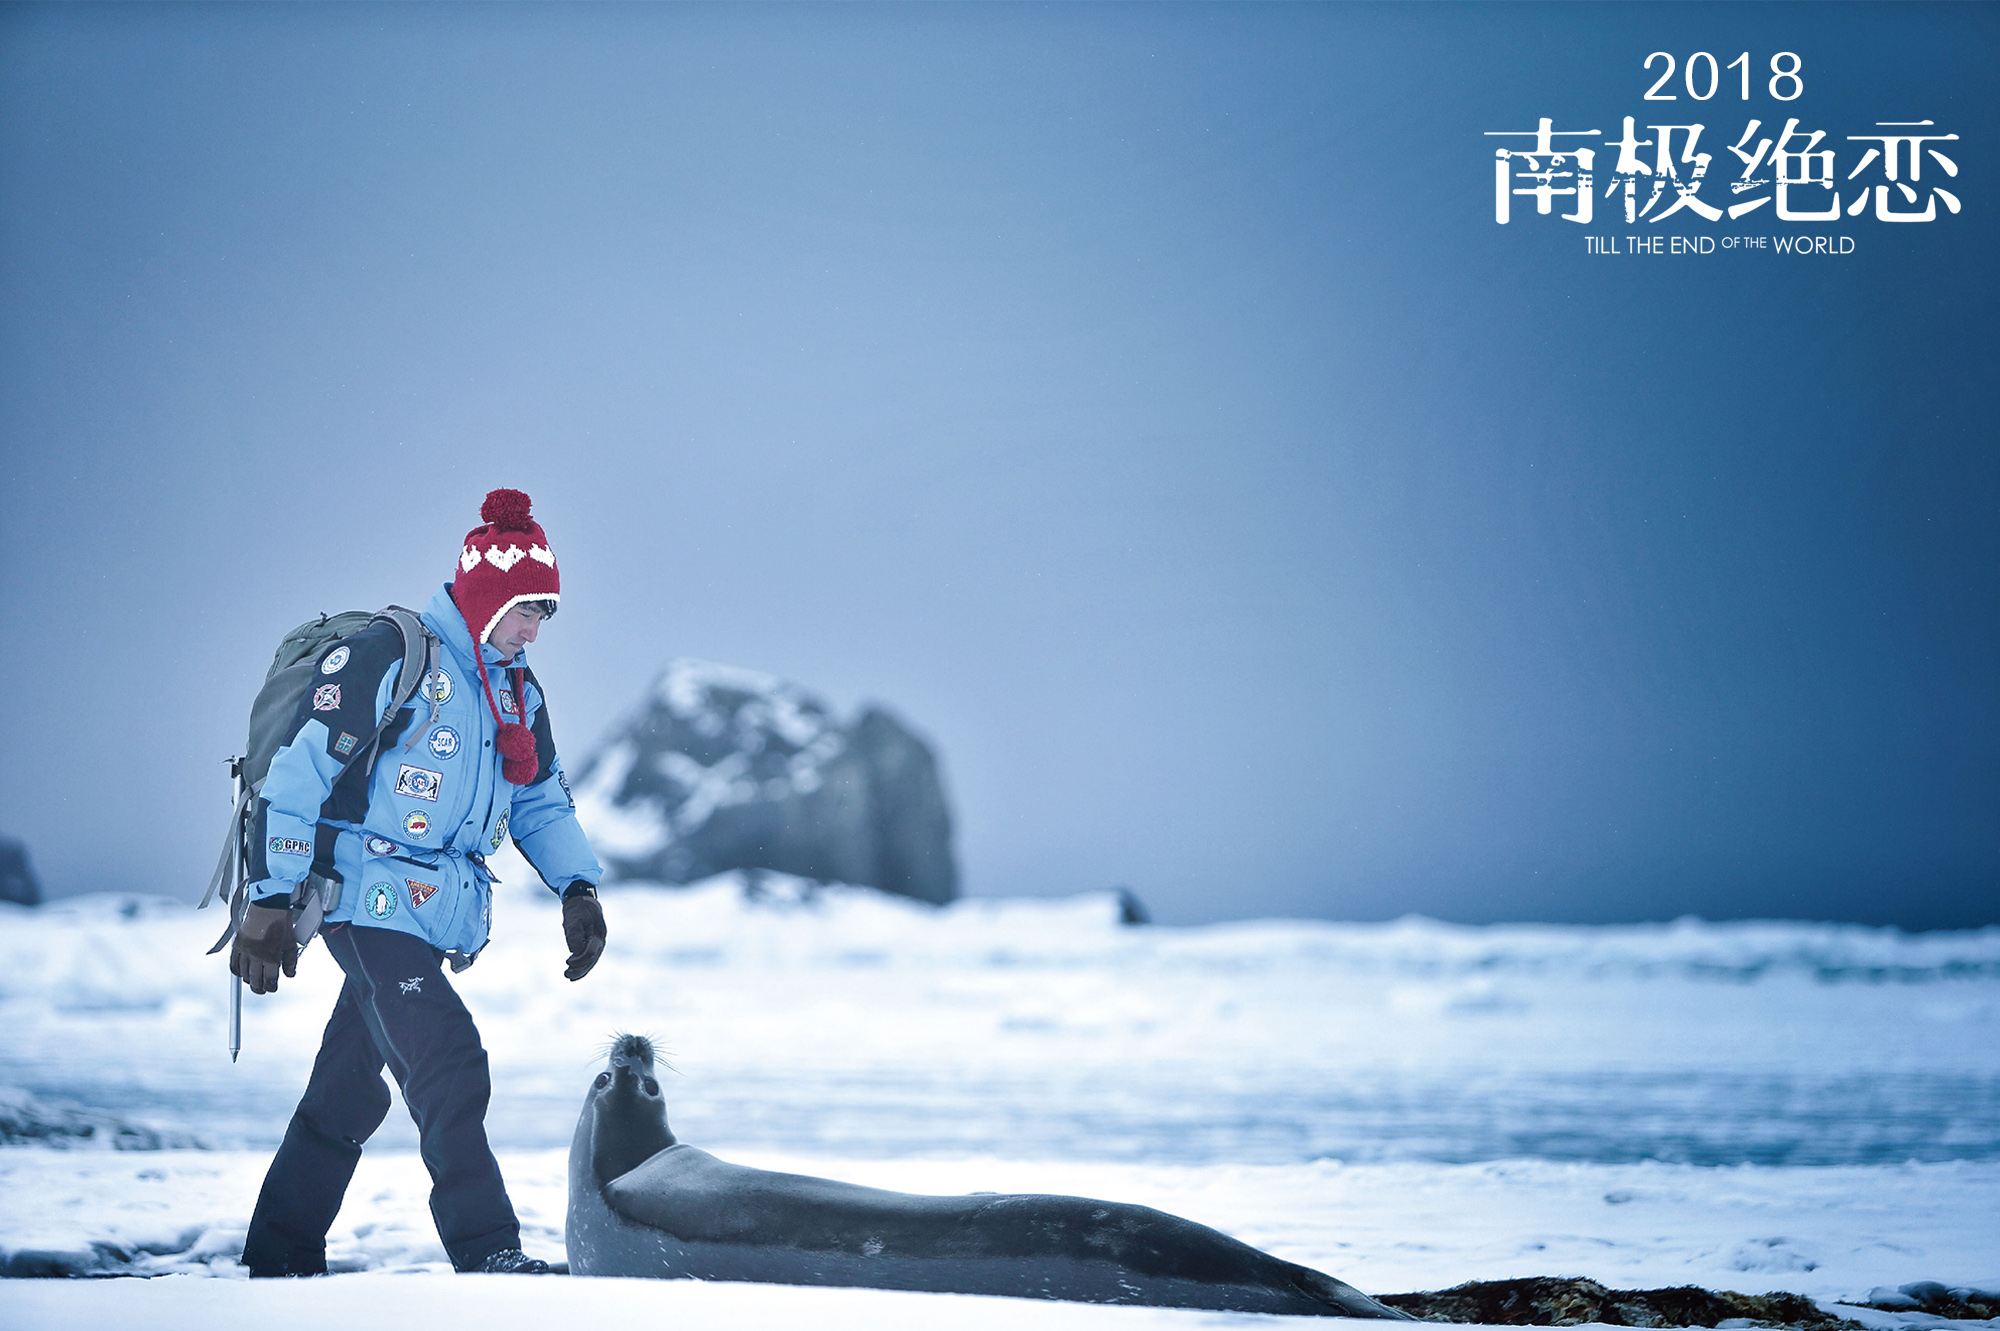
(642, 1203)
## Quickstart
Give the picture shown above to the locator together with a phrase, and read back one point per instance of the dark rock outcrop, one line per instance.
(1964, 1304)
(721, 769)
(17, 880)
(1567, 1301)
(1131, 910)
(28, 1120)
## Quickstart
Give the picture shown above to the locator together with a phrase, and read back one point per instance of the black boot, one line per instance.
(513, 1262)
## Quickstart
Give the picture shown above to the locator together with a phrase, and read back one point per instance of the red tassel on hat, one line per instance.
(517, 754)
(516, 743)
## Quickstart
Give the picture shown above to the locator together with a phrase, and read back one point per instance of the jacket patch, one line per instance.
(436, 687)
(500, 829)
(413, 985)
(379, 845)
(444, 742)
(563, 778)
(417, 824)
(335, 659)
(379, 902)
(284, 845)
(345, 744)
(419, 892)
(507, 703)
(419, 783)
(326, 698)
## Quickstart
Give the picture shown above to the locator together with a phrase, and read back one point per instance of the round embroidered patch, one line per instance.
(335, 659)
(380, 846)
(437, 687)
(417, 824)
(444, 741)
(380, 903)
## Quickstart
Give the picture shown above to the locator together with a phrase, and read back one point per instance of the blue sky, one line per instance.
(1141, 400)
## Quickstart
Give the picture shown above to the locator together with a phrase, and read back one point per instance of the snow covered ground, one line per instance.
(1406, 1106)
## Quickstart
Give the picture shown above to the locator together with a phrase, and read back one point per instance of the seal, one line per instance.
(642, 1203)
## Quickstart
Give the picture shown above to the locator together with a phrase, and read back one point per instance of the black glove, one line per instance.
(264, 944)
(583, 929)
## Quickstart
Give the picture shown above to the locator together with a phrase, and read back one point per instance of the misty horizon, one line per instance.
(1142, 403)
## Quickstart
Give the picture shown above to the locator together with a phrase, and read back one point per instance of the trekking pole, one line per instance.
(235, 980)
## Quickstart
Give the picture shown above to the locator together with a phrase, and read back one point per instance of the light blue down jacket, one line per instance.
(407, 843)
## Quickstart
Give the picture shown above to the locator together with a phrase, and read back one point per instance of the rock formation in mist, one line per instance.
(720, 768)
(17, 880)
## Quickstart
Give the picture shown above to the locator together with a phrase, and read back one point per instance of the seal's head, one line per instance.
(629, 1118)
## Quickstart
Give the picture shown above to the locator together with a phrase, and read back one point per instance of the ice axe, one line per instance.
(236, 981)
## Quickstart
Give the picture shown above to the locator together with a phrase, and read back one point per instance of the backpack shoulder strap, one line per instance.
(419, 650)
(231, 843)
(420, 653)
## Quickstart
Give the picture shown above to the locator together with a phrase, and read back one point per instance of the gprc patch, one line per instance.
(500, 829)
(326, 698)
(507, 703)
(345, 744)
(417, 824)
(379, 901)
(379, 845)
(335, 659)
(284, 845)
(419, 783)
(437, 687)
(419, 892)
(444, 742)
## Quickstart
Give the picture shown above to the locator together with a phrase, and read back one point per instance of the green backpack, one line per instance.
(285, 683)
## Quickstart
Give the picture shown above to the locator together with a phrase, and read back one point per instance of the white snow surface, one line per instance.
(1407, 1106)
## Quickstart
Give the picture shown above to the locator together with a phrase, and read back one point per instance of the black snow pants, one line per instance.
(397, 1008)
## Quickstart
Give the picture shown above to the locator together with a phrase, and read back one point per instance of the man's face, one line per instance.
(516, 629)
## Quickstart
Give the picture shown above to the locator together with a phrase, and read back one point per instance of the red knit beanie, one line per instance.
(505, 562)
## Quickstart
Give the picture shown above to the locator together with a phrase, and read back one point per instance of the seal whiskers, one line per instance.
(632, 1117)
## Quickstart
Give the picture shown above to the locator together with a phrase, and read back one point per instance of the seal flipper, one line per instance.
(1351, 1301)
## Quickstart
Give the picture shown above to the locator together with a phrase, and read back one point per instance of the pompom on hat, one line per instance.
(505, 561)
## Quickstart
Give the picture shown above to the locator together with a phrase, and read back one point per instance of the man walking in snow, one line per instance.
(467, 761)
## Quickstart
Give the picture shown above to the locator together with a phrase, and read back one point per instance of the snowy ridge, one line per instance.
(1738, 951)
(798, 923)
(832, 926)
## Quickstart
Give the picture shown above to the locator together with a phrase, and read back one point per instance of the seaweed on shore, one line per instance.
(1568, 1301)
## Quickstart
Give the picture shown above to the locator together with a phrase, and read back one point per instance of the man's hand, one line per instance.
(583, 929)
(264, 945)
